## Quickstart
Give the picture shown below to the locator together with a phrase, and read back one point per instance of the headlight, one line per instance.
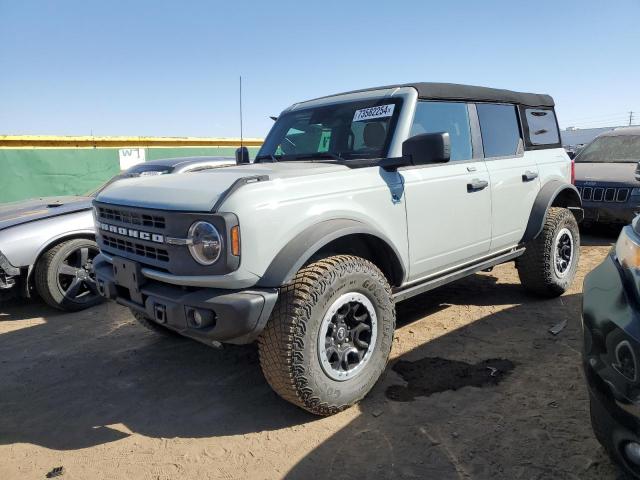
(96, 222)
(635, 191)
(628, 249)
(205, 243)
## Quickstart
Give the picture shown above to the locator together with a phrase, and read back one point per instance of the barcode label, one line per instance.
(371, 113)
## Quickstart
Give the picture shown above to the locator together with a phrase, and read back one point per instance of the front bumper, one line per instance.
(611, 327)
(8, 273)
(230, 316)
(609, 213)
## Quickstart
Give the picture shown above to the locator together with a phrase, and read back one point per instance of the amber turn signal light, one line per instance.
(235, 241)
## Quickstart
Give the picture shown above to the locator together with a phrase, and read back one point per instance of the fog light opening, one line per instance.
(200, 318)
(197, 318)
(632, 453)
(626, 361)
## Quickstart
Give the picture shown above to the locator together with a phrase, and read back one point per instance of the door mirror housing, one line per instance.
(427, 148)
(242, 156)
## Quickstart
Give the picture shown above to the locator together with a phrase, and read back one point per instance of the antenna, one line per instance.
(241, 136)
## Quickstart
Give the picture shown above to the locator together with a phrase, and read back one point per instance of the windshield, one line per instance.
(612, 149)
(351, 130)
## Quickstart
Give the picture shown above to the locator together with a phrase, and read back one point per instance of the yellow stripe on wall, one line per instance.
(52, 141)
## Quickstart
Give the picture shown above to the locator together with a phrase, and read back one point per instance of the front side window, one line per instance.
(342, 131)
(542, 126)
(451, 117)
(612, 149)
(500, 129)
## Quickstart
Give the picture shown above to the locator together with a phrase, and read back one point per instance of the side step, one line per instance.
(408, 292)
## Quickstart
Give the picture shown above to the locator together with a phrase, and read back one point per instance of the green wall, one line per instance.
(42, 172)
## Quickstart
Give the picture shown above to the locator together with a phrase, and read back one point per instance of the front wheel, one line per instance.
(64, 276)
(550, 261)
(330, 334)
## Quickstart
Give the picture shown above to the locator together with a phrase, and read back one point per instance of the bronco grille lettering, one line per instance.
(128, 232)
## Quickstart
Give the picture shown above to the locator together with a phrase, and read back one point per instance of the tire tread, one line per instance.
(535, 266)
(282, 342)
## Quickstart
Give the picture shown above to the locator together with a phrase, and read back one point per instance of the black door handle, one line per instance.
(477, 185)
(529, 175)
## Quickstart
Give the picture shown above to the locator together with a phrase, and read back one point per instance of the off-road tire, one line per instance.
(46, 271)
(155, 327)
(536, 266)
(288, 346)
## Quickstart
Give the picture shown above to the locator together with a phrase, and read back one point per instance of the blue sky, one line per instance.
(152, 67)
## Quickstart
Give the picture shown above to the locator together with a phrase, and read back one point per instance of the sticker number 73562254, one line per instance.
(381, 111)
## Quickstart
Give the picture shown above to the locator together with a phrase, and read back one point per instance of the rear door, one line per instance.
(514, 175)
(448, 204)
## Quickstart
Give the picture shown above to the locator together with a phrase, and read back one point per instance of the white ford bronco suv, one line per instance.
(354, 202)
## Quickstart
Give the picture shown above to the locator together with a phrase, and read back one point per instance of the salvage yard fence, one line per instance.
(41, 166)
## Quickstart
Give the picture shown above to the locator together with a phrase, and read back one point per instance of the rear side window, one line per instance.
(451, 117)
(542, 126)
(500, 129)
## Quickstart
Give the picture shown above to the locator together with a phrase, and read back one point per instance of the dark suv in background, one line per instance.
(611, 326)
(606, 176)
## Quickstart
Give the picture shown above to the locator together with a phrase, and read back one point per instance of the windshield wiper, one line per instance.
(270, 156)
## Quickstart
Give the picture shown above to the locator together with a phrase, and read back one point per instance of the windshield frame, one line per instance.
(360, 102)
(586, 151)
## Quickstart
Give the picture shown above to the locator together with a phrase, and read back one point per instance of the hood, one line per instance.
(199, 191)
(17, 213)
(606, 172)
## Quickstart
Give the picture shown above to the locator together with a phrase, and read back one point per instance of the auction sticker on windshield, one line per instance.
(381, 111)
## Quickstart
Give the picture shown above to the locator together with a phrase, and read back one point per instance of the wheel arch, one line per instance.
(57, 240)
(553, 194)
(332, 237)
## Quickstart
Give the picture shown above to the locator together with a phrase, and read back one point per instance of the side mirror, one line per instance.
(242, 156)
(427, 148)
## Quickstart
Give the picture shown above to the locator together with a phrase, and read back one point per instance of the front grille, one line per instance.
(609, 194)
(131, 218)
(602, 194)
(598, 194)
(622, 195)
(135, 248)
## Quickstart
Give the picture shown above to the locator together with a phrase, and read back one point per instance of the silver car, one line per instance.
(47, 245)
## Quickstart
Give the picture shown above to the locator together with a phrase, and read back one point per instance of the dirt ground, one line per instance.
(106, 399)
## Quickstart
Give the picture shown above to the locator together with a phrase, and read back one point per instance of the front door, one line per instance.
(448, 204)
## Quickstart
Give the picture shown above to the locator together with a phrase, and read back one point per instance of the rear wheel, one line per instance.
(64, 275)
(550, 261)
(330, 334)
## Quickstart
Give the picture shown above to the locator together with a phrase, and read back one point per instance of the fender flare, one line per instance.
(298, 251)
(569, 197)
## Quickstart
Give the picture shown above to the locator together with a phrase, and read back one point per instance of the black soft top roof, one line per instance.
(454, 91)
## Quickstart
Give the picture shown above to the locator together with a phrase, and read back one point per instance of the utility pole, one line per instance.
(241, 133)
(630, 118)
